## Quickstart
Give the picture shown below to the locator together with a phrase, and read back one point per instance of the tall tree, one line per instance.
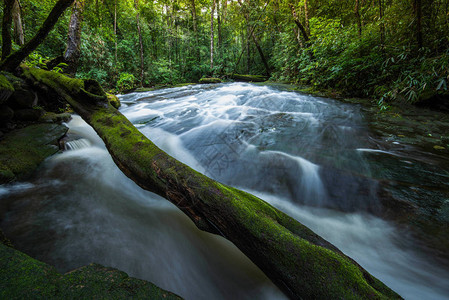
(17, 20)
(136, 5)
(115, 31)
(73, 51)
(195, 28)
(6, 28)
(212, 12)
(306, 17)
(12, 61)
(298, 23)
(253, 36)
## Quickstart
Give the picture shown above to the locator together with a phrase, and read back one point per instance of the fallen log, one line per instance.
(297, 260)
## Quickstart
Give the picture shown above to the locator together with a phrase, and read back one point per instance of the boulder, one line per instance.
(6, 89)
(22, 150)
(28, 114)
(51, 117)
(6, 114)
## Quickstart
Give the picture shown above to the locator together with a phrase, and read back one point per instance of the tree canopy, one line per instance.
(390, 50)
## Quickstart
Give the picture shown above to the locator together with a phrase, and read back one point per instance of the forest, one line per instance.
(380, 49)
(302, 147)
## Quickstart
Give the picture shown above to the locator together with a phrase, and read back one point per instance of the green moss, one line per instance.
(22, 277)
(210, 80)
(248, 78)
(5, 84)
(23, 150)
(296, 259)
(113, 100)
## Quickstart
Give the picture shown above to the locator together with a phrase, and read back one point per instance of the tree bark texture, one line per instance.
(6, 28)
(12, 61)
(298, 23)
(136, 5)
(73, 51)
(195, 29)
(17, 20)
(297, 260)
(212, 35)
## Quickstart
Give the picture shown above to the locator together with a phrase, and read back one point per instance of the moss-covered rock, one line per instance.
(113, 100)
(51, 117)
(21, 151)
(210, 80)
(6, 89)
(22, 277)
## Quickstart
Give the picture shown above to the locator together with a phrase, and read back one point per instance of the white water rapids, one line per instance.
(297, 152)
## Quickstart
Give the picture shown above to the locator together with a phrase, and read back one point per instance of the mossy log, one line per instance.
(297, 260)
(210, 80)
(247, 78)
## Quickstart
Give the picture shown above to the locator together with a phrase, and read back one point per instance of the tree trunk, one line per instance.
(136, 5)
(115, 33)
(212, 36)
(297, 260)
(306, 17)
(73, 51)
(301, 28)
(17, 20)
(220, 38)
(13, 60)
(6, 28)
(250, 33)
(195, 30)
(248, 46)
(259, 49)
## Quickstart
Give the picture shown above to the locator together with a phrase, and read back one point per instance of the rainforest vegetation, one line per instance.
(381, 49)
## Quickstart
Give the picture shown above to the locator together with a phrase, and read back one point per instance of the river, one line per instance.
(308, 156)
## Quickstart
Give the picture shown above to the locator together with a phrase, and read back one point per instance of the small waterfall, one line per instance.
(77, 144)
(301, 154)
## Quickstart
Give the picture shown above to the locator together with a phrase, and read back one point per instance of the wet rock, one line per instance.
(23, 96)
(6, 89)
(6, 115)
(22, 150)
(29, 114)
(50, 117)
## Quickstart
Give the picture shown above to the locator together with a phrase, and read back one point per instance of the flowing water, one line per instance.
(304, 155)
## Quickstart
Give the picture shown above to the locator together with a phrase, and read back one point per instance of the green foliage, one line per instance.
(383, 62)
(126, 81)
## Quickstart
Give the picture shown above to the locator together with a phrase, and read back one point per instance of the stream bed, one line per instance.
(316, 159)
